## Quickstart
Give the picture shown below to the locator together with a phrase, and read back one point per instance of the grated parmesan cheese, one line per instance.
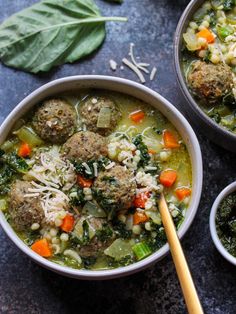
(153, 74)
(54, 175)
(113, 65)
(135, 70)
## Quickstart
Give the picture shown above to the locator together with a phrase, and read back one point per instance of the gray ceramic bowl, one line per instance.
(227, 190)
(216, 133)
(150, 97)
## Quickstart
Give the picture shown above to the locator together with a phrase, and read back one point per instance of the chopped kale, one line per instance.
(145, 158)
(105, 233)
(77, 197)
(86, 238)
(16, 162)
(80, 168)
(30, 237)
(125, 261)
(213, 18)
(156, 171)
(207, 56)
(107, 203)
(156, 242)
(1, 152)
(120, 229)
(6, 174)
(228, 5)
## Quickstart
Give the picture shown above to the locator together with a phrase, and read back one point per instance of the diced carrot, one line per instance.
(170, 141)
(137, 116)
(139, 217)
(42, 248)
(181, 193)
(24, 150)
(168, 177)
(207, 34)
(83, 182)
(140, 199)
(67, 223)
(152, 151)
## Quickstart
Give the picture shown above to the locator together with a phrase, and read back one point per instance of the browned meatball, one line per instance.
(115, 189)
(55, 121)
(24, 211)
(90, 109)
(84, 146)
(210, 82)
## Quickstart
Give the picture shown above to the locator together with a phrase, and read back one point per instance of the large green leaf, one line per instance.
(50, 33)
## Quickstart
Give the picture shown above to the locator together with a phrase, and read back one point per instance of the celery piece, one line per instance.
(141, 250)
(27, 135)
(3, 204)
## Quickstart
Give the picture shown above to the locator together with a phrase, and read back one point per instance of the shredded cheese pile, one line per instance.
(54, 177)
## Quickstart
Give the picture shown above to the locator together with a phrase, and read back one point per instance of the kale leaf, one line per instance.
(145, 158)
(77, 197)
(105, 233)
(16, 162)
(120, 229)
(228, 5)
(82, 170)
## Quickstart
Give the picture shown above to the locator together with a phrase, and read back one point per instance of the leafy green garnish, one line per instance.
(86, 238)
(106, 202)
(207, 56)
(52, 32)
(120, 229)
(10, 165)
(145, 158)
(104, 234)
(76, 196)
(228, 5)
(82, 170)
(16, 162)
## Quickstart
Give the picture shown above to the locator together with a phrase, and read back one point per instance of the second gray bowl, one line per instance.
(211, 129)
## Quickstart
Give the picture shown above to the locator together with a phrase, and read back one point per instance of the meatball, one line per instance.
(114, 189)
(24, 211)
(97, 243)
(210, 82)
(84, 146)
(89, 112)
(55, 121)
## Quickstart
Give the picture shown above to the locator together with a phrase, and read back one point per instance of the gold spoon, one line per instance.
(189, 291)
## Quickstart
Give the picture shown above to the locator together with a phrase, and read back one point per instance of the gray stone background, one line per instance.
(26, 287)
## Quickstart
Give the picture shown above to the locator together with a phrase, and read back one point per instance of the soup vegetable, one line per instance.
(226, 223)
(81, 176)
(209, 60)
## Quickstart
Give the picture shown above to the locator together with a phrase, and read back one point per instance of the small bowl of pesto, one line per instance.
(223, 223)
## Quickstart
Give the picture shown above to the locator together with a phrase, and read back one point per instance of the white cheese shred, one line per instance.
(113, 65)
(134, 69)
(153, 74)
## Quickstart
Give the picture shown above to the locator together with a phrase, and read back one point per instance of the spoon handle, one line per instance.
(189, 291)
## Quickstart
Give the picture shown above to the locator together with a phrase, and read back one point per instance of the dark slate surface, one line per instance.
(27, 288)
